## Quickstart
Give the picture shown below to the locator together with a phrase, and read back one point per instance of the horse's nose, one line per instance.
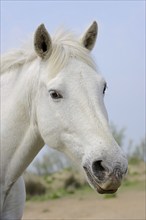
(99, 169)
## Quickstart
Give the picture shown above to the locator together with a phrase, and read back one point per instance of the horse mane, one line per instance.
(65, 45)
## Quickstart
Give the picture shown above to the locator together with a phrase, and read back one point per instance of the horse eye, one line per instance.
(55, 94)
(104, 88)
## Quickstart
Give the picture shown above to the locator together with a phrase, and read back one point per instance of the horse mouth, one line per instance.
(93, 182)
(103, 191)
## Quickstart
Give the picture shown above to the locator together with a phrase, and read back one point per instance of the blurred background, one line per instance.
(120, 55)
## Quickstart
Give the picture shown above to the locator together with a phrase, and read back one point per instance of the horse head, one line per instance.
(70, 110)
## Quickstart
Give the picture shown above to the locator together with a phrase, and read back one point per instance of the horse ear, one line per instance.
(89, 38)
(42, 42)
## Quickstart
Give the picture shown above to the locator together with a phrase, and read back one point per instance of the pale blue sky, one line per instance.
(119, 51)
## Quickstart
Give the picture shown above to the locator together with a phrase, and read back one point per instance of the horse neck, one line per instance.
(23, 156)
(20, 135)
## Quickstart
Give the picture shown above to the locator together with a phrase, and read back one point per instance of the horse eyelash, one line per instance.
(105, 88)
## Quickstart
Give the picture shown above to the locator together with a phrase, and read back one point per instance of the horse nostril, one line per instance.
(98, 169)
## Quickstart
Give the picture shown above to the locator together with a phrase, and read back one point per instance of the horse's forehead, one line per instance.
(81, 71)
(76, 74)
(77, 65)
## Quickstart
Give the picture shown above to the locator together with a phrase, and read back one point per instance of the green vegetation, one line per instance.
(67, 183)
(110, 196)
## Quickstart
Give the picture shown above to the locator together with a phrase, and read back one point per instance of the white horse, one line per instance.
(53, 95)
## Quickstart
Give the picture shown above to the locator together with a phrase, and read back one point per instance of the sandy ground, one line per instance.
(128, 205)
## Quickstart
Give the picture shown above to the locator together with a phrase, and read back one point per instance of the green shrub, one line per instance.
(34, 185)
(72, 182)
(110, 196)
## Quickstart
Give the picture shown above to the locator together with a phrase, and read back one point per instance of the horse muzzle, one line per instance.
(103, 180)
